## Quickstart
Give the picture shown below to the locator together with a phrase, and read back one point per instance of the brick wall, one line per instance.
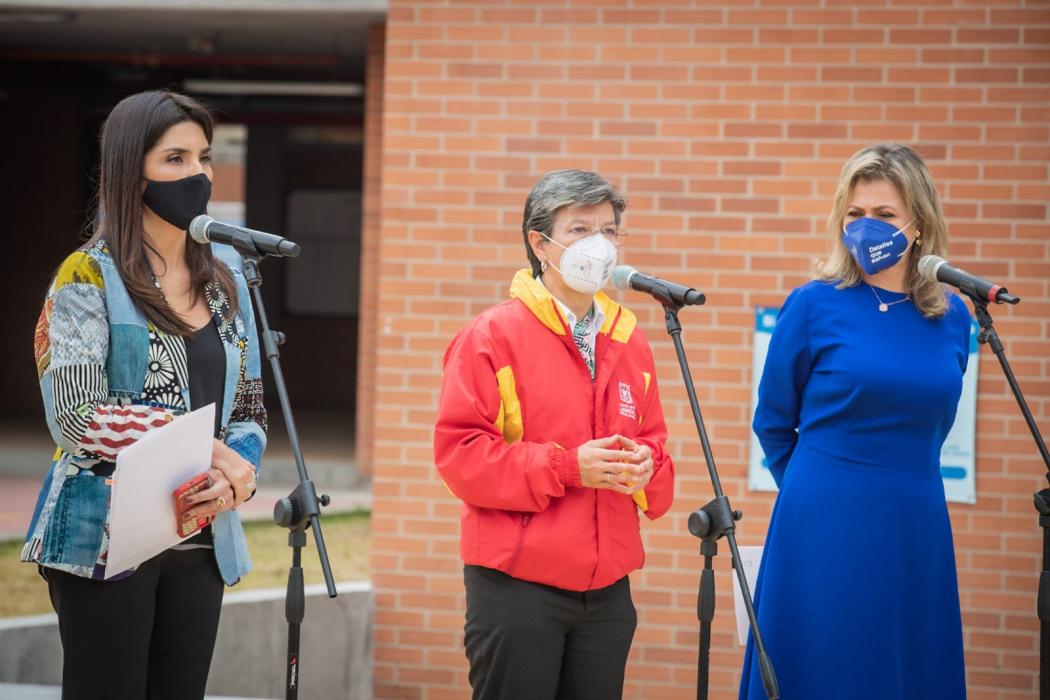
(726, 125)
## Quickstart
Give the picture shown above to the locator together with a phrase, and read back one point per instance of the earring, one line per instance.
(918, 238)
(543, 265)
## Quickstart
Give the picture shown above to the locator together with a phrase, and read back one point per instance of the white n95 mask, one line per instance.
(587, 263)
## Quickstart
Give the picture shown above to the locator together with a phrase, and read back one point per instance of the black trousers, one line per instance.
(534, 642)
(148, 636)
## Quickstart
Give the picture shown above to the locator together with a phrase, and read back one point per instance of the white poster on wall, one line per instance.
(958, 463)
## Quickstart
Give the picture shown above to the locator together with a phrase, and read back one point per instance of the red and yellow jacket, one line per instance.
(516, 402)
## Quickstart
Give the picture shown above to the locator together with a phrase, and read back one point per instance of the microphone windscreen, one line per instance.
(199, 228)
(621, 276)
(928, 265)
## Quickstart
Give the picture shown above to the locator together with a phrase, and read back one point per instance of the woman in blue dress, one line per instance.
(857, 594)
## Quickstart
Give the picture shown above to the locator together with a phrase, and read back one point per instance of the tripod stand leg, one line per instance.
(705, 613)
(1043, 608)
(294, 612)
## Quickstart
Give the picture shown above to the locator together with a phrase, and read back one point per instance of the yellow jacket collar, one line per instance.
(619, 320)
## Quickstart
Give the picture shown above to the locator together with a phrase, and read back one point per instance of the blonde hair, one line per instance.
(904, 169)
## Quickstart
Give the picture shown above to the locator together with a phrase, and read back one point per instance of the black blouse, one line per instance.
(206, 369)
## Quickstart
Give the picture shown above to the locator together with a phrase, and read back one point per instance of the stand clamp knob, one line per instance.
(284, 512)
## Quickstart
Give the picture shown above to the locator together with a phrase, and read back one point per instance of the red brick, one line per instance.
(680, 17)
(955, 56)
(905, 75)
(659, 72)
(1018, 134)
(850, 74)
(821, 17)
(1000, 56)
(1036, 36)
(753, 130)
(737, 93)
(1035, 75)
(801, 74)
(1022, 17)
(955, 16)
(751, 54)
(985, 114)
(597, 72)
(632, 17)
(570, 16)
(817, 131)
(506, 15)
(865, 39)
(987, 75)
(1028, 93)
(929, 93)
(820, 54)
(984, 36)
(787, 36)
(713, 35)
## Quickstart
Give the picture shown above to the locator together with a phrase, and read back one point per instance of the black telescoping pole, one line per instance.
(989, 337)
(301, 508)
(711, 522)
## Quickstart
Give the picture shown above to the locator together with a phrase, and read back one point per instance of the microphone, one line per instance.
(937, 269)
(203, 228)
(626, 277)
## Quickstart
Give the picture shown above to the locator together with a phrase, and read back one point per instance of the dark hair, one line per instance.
(559, 189)
(132, 128)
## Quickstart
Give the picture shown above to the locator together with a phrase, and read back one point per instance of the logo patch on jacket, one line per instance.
(627, 409)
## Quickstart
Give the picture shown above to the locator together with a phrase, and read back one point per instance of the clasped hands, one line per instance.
(232, 483)
(617, 463)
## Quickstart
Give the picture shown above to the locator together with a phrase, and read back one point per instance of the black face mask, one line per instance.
(178, 201)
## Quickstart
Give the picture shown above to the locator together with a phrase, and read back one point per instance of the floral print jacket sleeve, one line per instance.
(71, 348)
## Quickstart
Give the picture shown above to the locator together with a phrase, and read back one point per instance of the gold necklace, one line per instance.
(883, 306)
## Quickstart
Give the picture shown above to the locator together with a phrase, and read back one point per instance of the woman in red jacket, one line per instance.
(551, 433)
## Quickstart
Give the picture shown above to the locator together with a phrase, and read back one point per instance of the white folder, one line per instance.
(142, 514)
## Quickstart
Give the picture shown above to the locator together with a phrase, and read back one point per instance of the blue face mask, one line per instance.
(875, 245)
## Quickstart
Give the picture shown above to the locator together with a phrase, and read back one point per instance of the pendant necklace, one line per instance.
(883, 306)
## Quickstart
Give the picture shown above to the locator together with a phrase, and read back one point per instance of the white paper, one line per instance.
(142, 515)
(750, 558)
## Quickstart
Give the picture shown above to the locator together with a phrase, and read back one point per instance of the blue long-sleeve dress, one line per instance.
(857, 594)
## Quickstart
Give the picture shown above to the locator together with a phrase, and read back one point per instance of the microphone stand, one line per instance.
(709, 523)
(301, 508)
(989, 337)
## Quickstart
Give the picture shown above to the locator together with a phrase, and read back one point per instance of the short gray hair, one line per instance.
(559, 189)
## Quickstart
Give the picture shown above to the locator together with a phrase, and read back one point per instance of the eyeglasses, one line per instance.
(612, 233)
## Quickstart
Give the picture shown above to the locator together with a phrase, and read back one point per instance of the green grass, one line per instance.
(22, 591)
(346, 536)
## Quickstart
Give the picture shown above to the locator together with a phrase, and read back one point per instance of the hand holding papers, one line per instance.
(141, 509)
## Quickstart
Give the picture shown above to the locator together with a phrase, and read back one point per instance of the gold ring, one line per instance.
(250, 485)
(220, 503)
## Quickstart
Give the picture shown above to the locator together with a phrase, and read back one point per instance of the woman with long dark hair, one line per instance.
(139, 326)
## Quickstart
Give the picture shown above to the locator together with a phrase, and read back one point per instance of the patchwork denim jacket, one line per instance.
(99, 360)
